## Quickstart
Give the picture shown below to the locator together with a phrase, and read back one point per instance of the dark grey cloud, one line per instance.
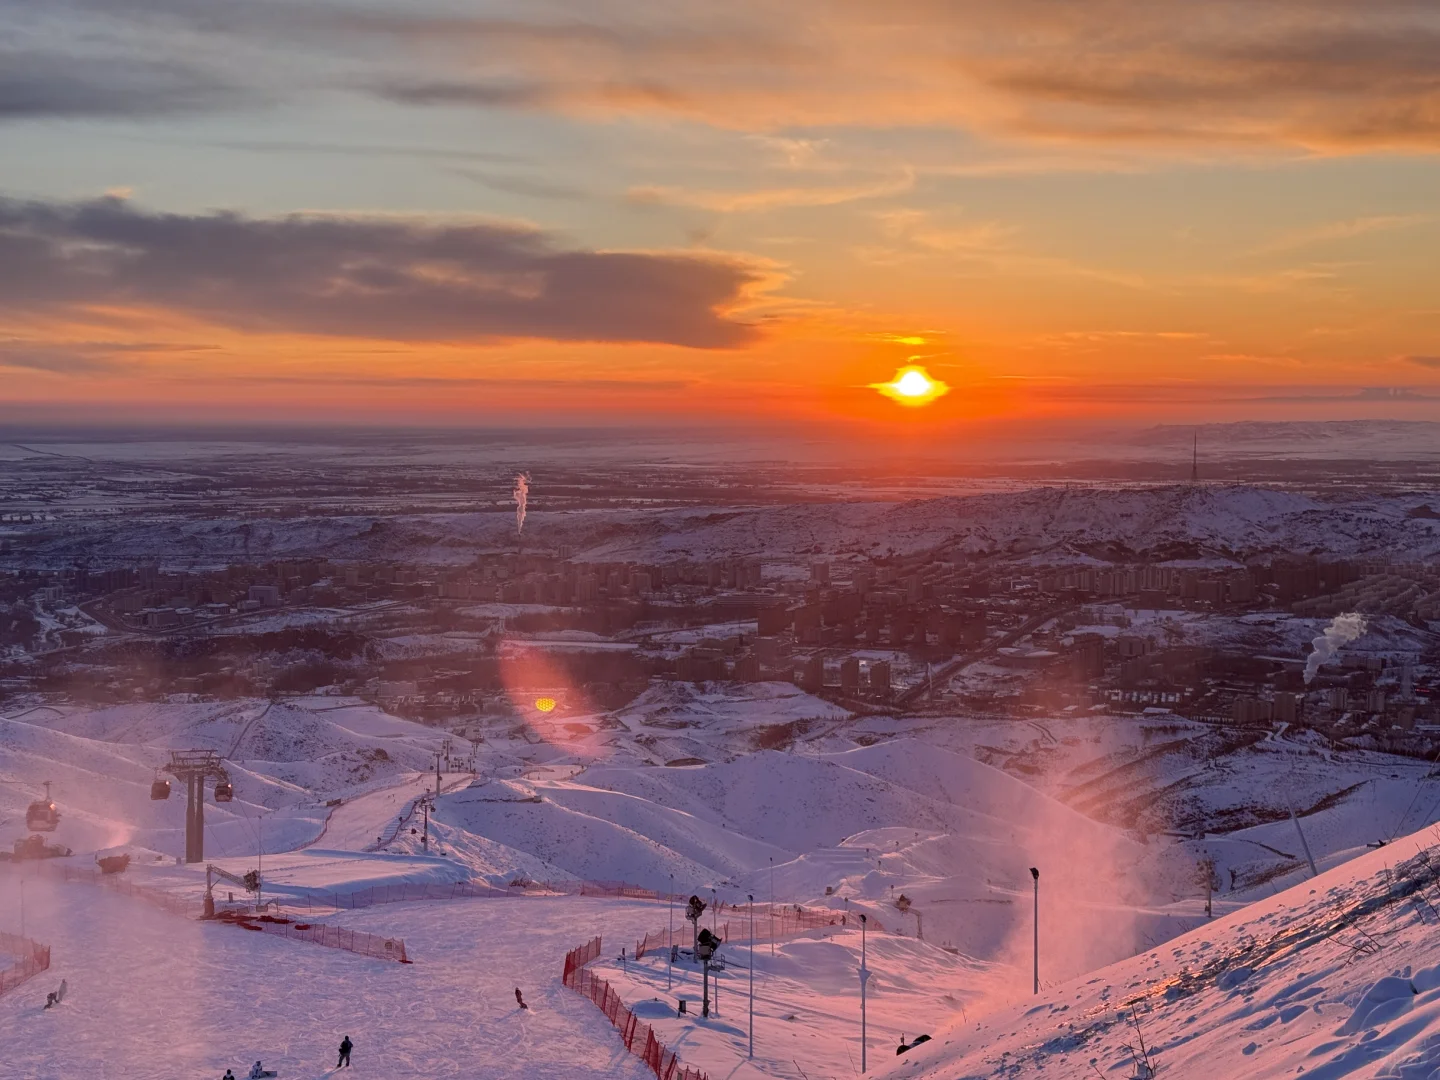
(1316, 73)
(53, 85)
(85, 357)
(363, 277)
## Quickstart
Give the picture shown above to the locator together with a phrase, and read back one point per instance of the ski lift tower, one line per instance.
(194, 767)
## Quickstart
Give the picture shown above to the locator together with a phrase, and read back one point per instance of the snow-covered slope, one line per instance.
(1336, 977)
(285, 761)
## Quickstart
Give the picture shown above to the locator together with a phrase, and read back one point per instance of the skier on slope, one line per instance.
(345, 1047)
(520, 1000)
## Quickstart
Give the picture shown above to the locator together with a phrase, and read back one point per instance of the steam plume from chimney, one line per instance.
(522, 496)
(1342, 630)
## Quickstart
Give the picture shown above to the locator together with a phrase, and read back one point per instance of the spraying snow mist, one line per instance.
(1342, 630)
(522, 496)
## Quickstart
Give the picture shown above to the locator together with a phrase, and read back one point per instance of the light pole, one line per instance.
(1034, 873)
(864, 978)
(772, 905)
(752, 978)
(670, 939)
(715, 931)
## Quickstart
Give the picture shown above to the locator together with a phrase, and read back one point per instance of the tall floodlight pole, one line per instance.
(715, 929)
(670, 939)
(1034, 873)
(752, 978)
(864, 978)
(772, 905)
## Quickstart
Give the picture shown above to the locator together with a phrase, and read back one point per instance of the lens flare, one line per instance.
(545, 704)
(912, 386)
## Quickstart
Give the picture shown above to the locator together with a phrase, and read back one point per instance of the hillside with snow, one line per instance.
(1338, 976)
(1156, 522)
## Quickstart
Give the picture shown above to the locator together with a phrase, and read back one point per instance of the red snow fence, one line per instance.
(639, 1038)
(772, 922)
(31, 958)
(332, 937)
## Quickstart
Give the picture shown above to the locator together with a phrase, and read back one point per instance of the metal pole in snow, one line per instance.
(752, 978)
(772, 905)
(715, 929)
(670, 939)
(1036, 875)
(1301, 833)
(864, 978)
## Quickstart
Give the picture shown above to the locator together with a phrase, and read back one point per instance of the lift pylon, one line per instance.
(193, 768)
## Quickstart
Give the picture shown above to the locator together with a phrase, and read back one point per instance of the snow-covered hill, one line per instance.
(285, 760)
(1338, 976)
(1159, 521)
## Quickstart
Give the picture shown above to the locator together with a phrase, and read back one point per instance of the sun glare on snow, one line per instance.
(912, 386)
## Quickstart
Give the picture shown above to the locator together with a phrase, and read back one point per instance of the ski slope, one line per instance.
(157, 997)
(1336, 977)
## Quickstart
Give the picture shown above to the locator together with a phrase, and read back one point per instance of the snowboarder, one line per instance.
(57, 995)
(228, 1075)
(259, 1072)
(520, 1000)
(345, 1047)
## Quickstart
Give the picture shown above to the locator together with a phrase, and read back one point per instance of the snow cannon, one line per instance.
(41, 816)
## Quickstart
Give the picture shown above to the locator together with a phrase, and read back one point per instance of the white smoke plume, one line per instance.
(521, 495)
(1342, 630)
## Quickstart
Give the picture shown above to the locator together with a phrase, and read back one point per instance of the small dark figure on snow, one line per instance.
(52, 999)
(345, 1047)
(520, 1000)
(228, 1075)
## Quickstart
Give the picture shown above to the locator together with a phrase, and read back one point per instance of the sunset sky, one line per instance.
(623, 211)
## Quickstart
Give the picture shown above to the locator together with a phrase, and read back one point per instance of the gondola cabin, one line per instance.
(42, 816)
(224, 792)
(159, 789)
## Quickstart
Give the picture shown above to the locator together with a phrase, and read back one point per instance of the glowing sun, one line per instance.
(912, 386)
(545, 704)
